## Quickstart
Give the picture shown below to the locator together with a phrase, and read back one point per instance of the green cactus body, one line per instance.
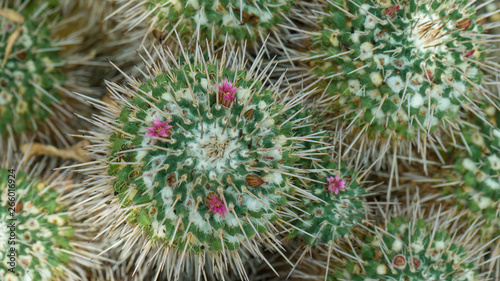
(333, 214)
(242, 20)
(477, 168)
(402, 68)
(28, 80)
(43, 231)
(410, 251)
(217, 173)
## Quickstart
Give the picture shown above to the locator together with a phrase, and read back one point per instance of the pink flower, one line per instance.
(335, 184)
(160, 129)
(215, 204)
(226, 92)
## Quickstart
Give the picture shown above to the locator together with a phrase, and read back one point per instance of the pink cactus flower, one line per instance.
(216, 205)
(335, 184)
(226, 92)
(160, 129)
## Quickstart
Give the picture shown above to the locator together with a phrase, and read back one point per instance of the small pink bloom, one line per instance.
(226, 92)
(335, 184)
(215, 204)
(160, 129)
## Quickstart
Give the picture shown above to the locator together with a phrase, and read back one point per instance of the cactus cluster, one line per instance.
(410, 250)
(30, 74)
(211, 157)
(400, 69)
(42, 226)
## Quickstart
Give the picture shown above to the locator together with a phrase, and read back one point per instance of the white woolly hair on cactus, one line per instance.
(52, 243)
(194, 166)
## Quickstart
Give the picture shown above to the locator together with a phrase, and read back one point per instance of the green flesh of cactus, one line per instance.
(403, 67)
(29, 77)
(43, 231)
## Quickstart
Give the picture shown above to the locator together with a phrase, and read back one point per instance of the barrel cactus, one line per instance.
(401, 70)
(241, 20)
(410, 249)
(201, 157)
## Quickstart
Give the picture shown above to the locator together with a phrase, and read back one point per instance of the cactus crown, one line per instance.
(43, 231)
(401, 67)
(410, 251)
(30, 73)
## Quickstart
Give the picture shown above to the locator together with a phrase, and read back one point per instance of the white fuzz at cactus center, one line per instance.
(200, 164)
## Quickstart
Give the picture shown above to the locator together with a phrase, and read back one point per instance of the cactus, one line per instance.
(409, 249)
(43, 229)
(477, 172)
(401, 69)
(202, 156)
(241, 20)
(30, 76)
(43, 238)
(337, 209)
